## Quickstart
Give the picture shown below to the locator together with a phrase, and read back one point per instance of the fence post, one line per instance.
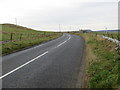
(38, 35)
(11, 36)
(20, 36)
(28, 36)
(118, 37)
(112, 36)
(108, 34)
(96, 37)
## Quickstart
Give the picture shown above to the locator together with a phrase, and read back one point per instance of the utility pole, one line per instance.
(70, 27)
(106, 30)
(16, 21)
(59, 28)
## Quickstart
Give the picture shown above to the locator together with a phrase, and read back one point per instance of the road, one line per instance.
(54, 64)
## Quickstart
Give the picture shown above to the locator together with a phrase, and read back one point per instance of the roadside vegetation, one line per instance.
(16, 38)
(113, 35)
(102, 62)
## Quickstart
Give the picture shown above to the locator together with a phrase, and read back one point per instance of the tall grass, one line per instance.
(15, 38)
(104, 70)
(103, 66)
(114, 35)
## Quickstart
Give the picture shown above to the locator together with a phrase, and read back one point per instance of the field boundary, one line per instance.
(20, 38)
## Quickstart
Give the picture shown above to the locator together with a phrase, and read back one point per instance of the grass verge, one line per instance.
(17, 38)
(11, 47)
(102, 69)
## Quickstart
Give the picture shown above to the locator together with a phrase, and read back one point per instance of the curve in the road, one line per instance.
(55, 64)
(32, 60)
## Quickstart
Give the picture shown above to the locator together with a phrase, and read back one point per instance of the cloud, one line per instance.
(47, 14)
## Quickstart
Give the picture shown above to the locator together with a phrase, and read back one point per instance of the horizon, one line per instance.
(59, 30)
(50, 15)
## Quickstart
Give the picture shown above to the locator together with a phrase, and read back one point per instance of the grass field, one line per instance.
(15, 38)
(102, 62)
(114, 35)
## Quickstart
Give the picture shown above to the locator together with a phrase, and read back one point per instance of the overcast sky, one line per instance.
(70, 14)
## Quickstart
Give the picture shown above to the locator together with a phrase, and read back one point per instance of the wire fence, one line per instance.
(113, 40)
(112, 35)
(14, 36)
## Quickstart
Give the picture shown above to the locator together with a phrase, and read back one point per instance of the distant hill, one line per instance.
(11, 28)
(16, 28)
(15, 37)
(108, 31)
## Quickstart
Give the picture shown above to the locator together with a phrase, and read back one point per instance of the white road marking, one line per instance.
(32, 60)
(63, 42)
(23, 65)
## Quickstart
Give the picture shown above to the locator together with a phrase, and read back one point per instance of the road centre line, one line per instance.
(63, 42)
(31, 60)
(23, 65)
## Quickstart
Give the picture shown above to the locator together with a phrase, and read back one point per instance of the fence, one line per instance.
(14, 37)
(113, 35)
(113, 40)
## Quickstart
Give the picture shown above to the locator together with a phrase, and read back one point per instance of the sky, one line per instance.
(69, 15)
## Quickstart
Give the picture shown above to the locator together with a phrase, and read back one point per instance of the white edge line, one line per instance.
(23, 65)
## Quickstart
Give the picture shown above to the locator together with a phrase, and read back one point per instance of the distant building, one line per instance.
(85, 31)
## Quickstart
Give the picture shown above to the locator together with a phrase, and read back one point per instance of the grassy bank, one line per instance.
(15, 38)
(114, 35)
(102, 62)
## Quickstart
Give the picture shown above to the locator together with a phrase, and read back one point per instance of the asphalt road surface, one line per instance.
(55, 64)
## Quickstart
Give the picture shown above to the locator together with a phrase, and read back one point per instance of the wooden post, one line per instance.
(112, 36)
(11, 36)
(20, 36)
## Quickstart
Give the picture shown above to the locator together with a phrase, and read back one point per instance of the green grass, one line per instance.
(20, 32)
(103, 70)
(23, 37)
(114, 35)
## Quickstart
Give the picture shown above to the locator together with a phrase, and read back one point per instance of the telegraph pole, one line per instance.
(59, 28)
(70, 27)
(106, 29)
(16, 21)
